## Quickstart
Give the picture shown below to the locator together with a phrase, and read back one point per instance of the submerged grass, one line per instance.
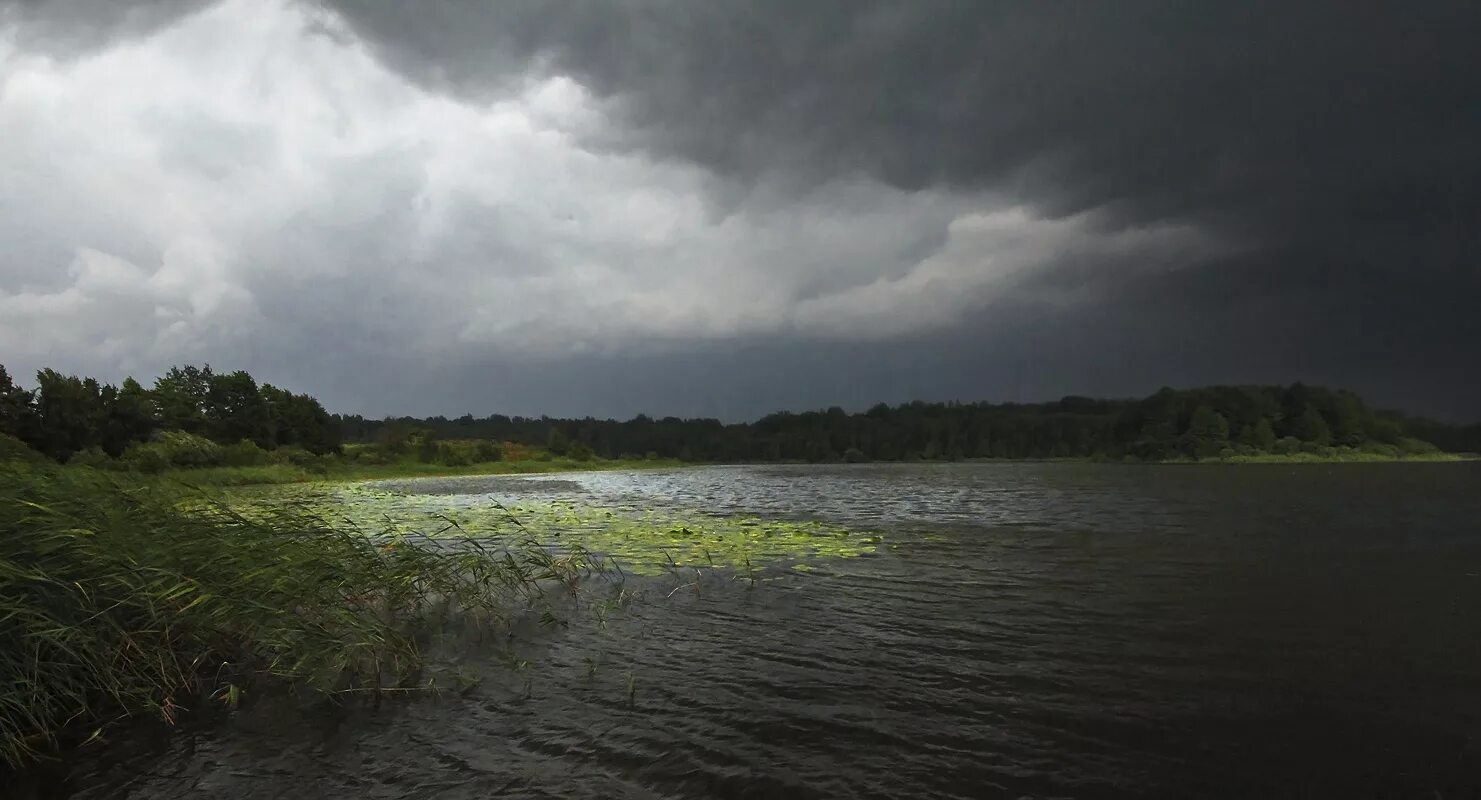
(122, 597)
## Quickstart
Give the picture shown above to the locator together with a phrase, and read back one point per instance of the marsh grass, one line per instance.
(332, 468)
(121, 597)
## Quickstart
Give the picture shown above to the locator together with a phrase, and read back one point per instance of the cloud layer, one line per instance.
(607, 208)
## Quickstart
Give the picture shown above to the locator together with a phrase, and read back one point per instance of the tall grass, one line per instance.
(120, 597)
(332, 468)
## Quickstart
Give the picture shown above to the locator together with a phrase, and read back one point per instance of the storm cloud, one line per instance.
(725, 208)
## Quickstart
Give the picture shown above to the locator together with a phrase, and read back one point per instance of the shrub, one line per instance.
(245, 453)
(514, 451)
(1416, 447)
(580, 451)
(146, 457)
(13, 449)
(186, 450)
(452, 456)
(365, 454)
(486, 451)
(92, 457)
(297, 456)
(1382, 449)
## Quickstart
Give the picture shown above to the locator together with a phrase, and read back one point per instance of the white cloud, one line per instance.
(243, 184)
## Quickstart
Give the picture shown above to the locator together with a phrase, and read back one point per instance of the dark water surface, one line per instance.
(1025, 630)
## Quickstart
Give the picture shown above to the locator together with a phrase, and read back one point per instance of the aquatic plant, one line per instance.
(633, 539)
(120, 597)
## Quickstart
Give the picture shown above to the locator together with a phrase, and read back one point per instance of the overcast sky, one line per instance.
(725, 208)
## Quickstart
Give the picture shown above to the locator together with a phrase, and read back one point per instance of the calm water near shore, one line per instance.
(1017, 630)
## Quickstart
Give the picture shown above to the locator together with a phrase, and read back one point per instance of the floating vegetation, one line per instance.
(642, 541)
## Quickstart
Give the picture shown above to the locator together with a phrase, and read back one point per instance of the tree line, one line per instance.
(65, 414)
(1197, 423)
(190, 407)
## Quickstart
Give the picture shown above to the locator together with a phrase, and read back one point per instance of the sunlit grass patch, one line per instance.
(638, 540)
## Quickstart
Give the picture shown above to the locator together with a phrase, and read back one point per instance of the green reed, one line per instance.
(120, 597)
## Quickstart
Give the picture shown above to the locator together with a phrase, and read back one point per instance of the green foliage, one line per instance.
(17, 411)
(485, 452)
(66, 414)
(427, 449)
(70, 411)
(1074, 427)
(1259, 436)
(1415, 447)
(298, 419)
(450, 456)
(1207, 434)
(187, 450)
(147, 458)
(13, 449)
(123, 598)
(236, 410)
(130, 418)
(180, 398)
(558, 443)
(646, 542)
(1310, 426)
(1286, 445)
(92, 457)
(245, 453)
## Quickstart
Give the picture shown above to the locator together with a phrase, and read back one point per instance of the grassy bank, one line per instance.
(115, 601)
(336, 470)
(1350, 457)
(351, 471)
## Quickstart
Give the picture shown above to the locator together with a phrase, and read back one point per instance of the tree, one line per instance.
(1349, 419)
(427, 449)
(1311, 427)
(298, 419)
(486, 451)
(1156, 424)
(130, 417)
(180, 398)
(234, 410)
(1207, 434)
(558, 443)
(1260, 435)
(17, 409)
(70, 413)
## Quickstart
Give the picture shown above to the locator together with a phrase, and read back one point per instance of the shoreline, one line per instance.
(278, 474)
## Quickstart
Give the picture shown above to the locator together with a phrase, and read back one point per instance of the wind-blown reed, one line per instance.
(120, 597)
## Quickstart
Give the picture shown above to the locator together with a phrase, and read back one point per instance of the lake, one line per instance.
(964, 631)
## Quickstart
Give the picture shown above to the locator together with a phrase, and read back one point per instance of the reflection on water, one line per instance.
(1039, 630)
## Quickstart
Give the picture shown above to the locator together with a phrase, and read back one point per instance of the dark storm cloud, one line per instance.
(725, 207)
(1248, 114)
(72, 27)
(1332, 143)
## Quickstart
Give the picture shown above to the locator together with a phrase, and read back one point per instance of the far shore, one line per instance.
(289, 473)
